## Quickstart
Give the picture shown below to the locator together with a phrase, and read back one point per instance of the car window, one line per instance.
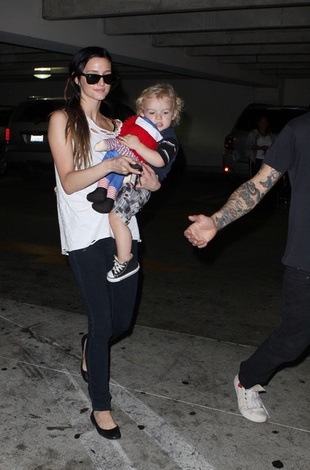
(277, 118)
(5, 116)
(35, 112)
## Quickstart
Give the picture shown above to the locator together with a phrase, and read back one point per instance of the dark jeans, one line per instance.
(290, 340)
(110, 308)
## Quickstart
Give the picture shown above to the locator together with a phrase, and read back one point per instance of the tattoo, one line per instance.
(271, 179)
(246, 197)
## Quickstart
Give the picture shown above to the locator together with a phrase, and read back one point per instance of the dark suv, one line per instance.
(27, 144)
(236, 156)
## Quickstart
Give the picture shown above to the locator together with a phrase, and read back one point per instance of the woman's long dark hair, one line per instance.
(77, 126)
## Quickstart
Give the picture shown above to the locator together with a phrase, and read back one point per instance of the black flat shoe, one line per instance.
(114, 433)
(84, 373)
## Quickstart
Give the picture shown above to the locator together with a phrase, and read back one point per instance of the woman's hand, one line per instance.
(148, 179)
(121, 165)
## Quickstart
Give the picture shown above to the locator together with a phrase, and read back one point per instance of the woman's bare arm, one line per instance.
(62, 151)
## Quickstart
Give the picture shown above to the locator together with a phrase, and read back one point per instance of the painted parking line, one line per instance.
(168, 439)
(46, 254)
(75, 405)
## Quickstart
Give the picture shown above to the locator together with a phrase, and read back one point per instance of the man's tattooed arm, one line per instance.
(246, 197)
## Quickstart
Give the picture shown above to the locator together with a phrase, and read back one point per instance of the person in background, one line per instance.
(259, 140)
(85, 234)
(290, 153)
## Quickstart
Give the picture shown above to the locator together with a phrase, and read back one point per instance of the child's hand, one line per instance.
(131, 141)
(101, 146)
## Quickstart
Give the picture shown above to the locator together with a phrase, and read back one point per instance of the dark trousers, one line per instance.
(110, 308)
(290, 340)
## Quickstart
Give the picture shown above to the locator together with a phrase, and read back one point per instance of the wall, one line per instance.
(297, 92)
(13, 93)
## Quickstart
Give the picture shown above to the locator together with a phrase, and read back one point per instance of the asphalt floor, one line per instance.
(200, 313)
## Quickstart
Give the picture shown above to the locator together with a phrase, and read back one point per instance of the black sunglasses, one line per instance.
(93, 78)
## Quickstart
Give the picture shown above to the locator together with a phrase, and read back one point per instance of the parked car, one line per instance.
(5, 114)
(236, 162)
(27, 144)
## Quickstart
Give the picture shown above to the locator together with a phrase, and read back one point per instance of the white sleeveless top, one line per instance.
(81, 226)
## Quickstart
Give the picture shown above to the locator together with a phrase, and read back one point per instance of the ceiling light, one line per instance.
(42, 72)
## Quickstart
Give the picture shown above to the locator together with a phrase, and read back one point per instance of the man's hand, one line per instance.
(201, 231)
(241, 201)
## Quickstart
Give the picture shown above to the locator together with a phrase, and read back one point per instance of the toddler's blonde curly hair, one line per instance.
(162, 90)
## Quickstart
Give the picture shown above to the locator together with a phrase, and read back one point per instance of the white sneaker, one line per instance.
(249, 403)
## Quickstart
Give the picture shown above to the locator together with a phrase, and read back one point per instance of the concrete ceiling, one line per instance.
(270, 38)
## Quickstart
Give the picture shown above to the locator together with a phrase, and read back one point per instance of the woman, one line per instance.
(259, 141)
(85, 234)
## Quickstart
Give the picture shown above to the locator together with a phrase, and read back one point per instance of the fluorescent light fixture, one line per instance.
(42, 72)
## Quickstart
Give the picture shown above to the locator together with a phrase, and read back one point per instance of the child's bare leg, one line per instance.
(123, 238)
(124, 264)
